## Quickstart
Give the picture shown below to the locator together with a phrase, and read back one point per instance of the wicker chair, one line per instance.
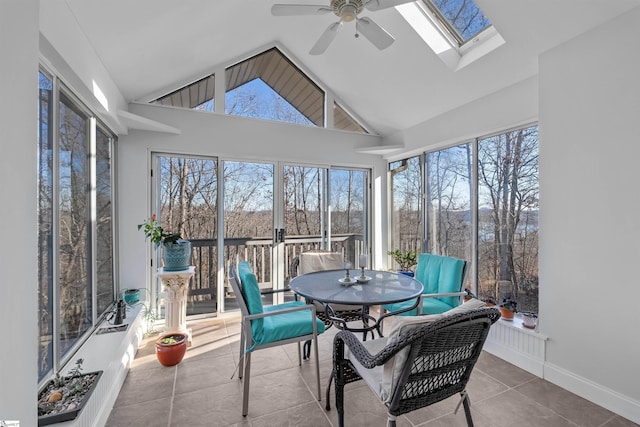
(346, 313)
(421, 362)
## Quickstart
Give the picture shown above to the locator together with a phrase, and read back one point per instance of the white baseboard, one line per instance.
(596, 393)
(525, 348)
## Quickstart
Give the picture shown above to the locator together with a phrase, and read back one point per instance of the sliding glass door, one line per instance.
(187, 201)
(269, 213)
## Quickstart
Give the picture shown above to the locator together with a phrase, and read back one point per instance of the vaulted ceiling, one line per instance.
(150, 46)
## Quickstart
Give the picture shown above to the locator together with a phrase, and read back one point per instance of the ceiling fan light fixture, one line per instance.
(348, 12)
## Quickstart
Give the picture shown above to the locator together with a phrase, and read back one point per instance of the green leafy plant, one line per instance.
(172, 339)
(509, 304)
(154, 231)
(406, 260)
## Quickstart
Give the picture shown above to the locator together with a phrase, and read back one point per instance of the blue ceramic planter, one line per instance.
(176, 256)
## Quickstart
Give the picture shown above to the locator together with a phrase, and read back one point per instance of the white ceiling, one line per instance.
(153, 45)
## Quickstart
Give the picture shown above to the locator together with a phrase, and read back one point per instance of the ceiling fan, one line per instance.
(347, 11)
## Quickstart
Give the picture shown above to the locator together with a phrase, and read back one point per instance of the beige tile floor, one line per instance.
(200, 391)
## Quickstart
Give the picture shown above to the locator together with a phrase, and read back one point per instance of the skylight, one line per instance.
(455, 30)
(463, 19)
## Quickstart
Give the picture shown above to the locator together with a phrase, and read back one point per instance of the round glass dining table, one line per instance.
(383, 287)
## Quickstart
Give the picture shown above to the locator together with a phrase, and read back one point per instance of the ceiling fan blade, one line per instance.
(326, 38)
(299, 9)
(384, 4)
(374, 33)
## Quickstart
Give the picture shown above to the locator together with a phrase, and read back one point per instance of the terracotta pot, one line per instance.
(170, 354)
(507, 314)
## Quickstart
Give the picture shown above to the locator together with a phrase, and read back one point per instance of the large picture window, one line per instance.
(75, 224)
(482, 209)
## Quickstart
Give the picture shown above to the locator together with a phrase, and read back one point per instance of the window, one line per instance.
(198, 95)
(75, 223)
(406, 205)
(266, 86)
(502, 214)
(463, 19)
(456, 30)
(508, 216)
(343, 120)
(448, 201)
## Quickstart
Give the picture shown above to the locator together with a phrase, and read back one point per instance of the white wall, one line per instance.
(66, 48)
(588, 97)
(590, 239)
(226, 137)
(18, 257)
(513, 106)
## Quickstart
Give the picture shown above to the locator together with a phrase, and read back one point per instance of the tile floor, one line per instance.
(200, 391)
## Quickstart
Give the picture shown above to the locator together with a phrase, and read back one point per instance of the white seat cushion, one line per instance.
(382, 379)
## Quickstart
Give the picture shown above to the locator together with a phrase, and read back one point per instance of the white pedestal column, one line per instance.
(176, 285)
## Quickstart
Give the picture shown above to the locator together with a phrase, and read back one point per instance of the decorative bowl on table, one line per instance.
(363, 279)
(347, 281)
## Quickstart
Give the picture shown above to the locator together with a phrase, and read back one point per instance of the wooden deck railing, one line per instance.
(258, 251)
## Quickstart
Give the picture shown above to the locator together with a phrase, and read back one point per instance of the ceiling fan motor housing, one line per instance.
(347, 9)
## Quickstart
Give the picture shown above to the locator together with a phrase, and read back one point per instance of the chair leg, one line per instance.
(467, 410)
(391, 421)
(241, 358)
(340, 402)
(306, 350)
(315, 350)
(245, 390)
(328, 405)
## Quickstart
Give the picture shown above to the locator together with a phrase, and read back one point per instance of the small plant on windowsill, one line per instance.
(529, 319)
(489, 301)
(406, 260)
(64, 397)
(469, 295)
(508, 309)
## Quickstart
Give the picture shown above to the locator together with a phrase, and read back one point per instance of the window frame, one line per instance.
(59, 90)
(398, 165)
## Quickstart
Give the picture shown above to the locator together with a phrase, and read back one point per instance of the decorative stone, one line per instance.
(55, 396)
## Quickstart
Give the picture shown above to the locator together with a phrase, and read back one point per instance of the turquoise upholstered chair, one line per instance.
(269, 326)
(443, 281)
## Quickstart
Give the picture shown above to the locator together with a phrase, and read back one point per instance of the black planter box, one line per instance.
(59, 417)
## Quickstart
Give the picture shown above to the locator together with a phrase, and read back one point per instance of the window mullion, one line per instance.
(91, 194)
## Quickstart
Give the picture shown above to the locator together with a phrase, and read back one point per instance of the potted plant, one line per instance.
(63, 398)
(508, 309)
(529, 319)
(469, 295)
(406, 260)
(171, 347)
(131, 296)
(489, 301)
(176, 252)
